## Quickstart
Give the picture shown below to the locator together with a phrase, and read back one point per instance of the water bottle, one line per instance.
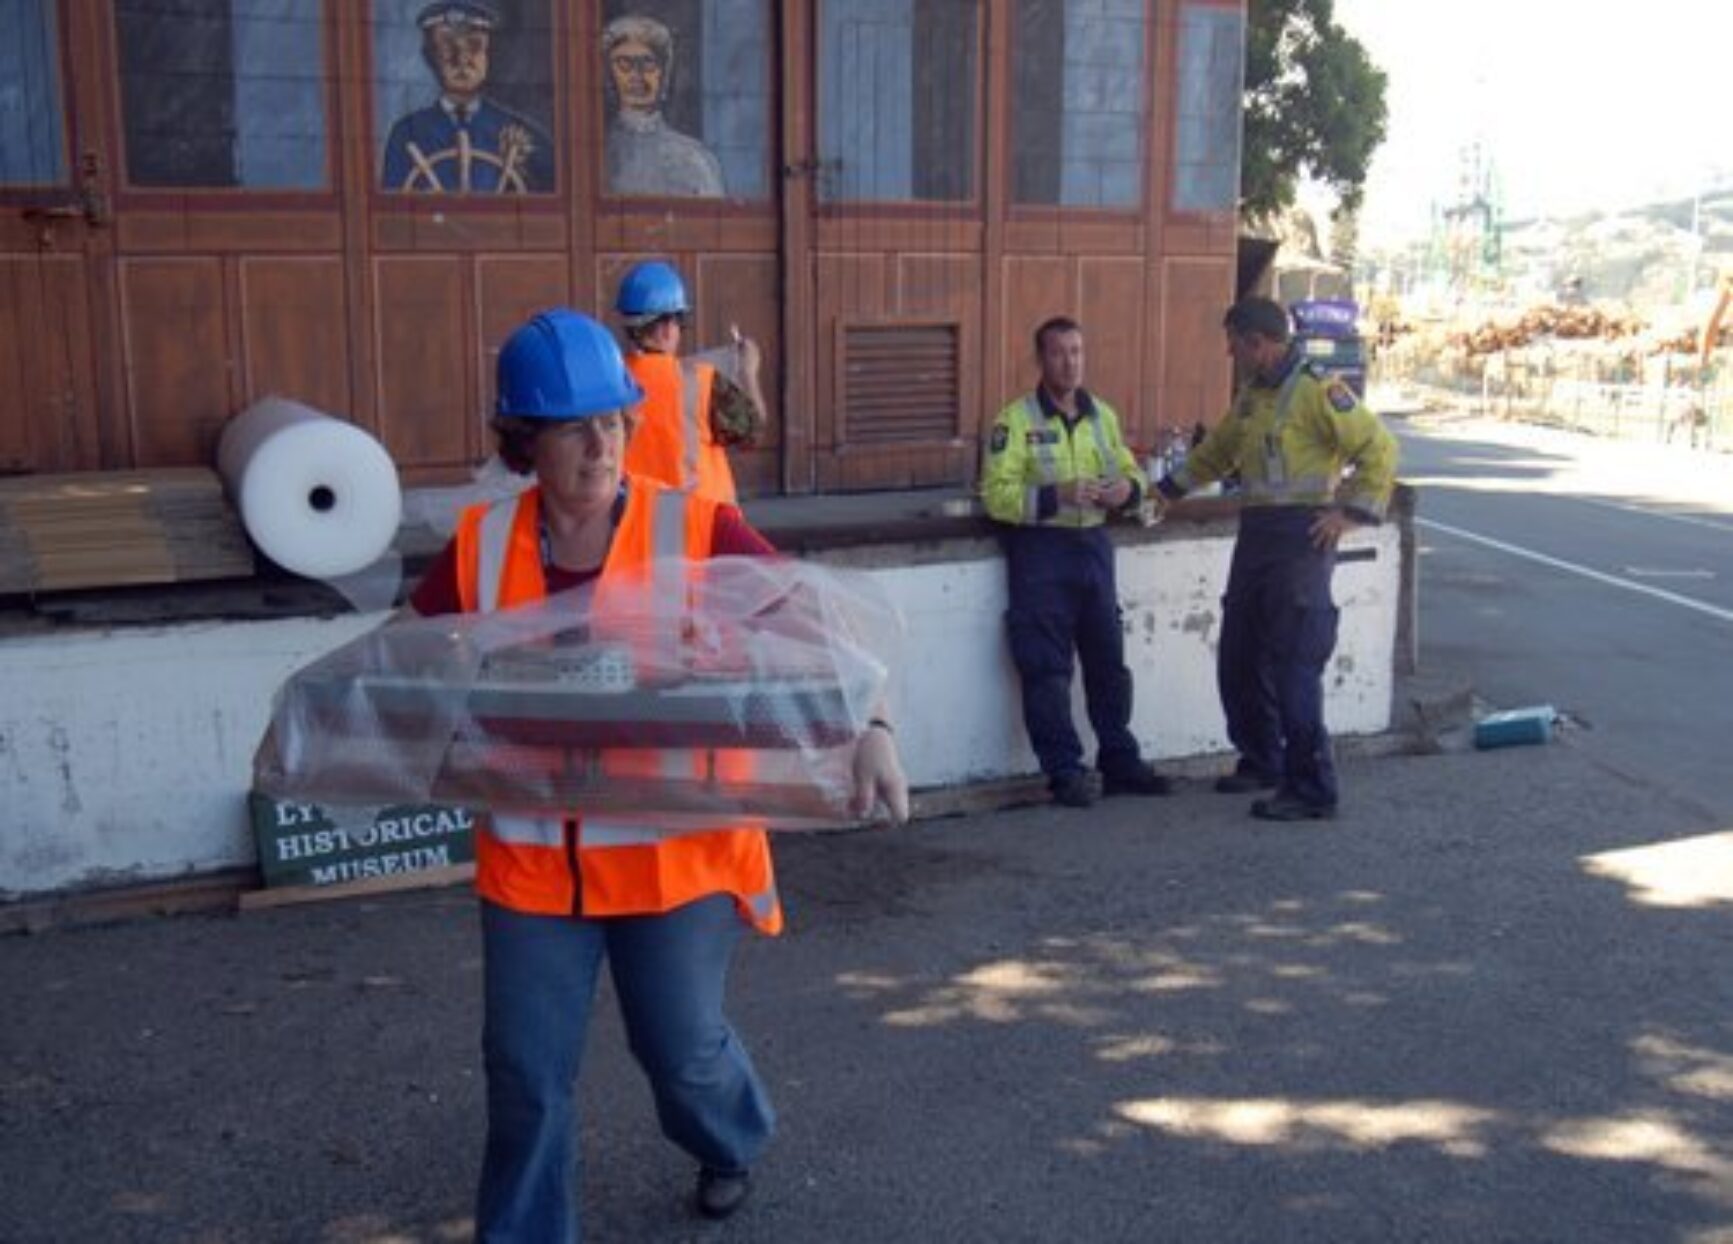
(1177, 447)
(1148, 513)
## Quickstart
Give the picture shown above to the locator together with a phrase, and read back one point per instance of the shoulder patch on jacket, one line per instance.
(1342, 399)
(1001, 438)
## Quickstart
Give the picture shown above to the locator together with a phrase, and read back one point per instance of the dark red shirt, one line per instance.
(437, 592)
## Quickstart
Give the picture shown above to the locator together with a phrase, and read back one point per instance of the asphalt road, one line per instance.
(1591, 575)
(1489, 1004)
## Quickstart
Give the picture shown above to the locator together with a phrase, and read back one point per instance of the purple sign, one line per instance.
(1326, 317)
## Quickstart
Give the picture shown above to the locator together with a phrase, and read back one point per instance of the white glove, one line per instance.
(878, 776)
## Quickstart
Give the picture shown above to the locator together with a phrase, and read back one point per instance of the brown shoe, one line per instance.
(720, 1193)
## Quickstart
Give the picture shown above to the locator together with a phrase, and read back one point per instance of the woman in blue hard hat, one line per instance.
(559, 892)
(692, 413)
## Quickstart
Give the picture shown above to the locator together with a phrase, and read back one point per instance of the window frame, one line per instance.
(969, 209)
(1149, 139)
(129, 194)
(1171, 180)
(40, 193)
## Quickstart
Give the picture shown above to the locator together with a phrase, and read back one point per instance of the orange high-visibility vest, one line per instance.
(673, 441)
(565, 863)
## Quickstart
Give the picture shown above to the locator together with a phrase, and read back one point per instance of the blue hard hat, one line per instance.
(650, 291)
(562, 365)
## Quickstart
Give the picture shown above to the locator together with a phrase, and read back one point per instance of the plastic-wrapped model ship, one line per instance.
(707, 691)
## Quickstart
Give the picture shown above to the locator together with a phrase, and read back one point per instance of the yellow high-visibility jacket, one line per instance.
(1291, 444)
(1032, 452)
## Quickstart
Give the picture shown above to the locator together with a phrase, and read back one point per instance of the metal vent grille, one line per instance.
(900, 382)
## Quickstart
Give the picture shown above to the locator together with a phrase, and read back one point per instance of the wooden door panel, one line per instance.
(1110, 308)
(745, 290)
(176, 358)
(426, 391)
(848, 287)
(950, 287)
(1037, 287)
(47, 391)
(296, 331)
(149, 228)
(925, 466)
(1195, 380)
(509, 289)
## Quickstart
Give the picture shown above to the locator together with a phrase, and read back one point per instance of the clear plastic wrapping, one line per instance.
(687, 695)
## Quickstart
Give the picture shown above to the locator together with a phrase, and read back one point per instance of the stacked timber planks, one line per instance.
(118, 528)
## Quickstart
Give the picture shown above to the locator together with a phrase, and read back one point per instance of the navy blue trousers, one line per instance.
(1064, 611)
(1278, 632)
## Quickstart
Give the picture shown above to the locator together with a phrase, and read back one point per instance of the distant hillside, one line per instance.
(1642, 256)
(1648, 258)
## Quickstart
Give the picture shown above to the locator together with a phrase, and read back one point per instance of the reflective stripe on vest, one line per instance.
(674, 446)
(667, 546)
(654, 553)
(1295, 489)
(529, 831)
(495, 539)
(1049, 463)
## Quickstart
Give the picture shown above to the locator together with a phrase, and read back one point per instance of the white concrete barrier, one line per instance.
(125, 754)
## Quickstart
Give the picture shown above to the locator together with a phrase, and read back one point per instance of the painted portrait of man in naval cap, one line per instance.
(463, 142)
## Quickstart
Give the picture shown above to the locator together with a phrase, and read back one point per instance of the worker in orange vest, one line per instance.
(692, 414)
(560, 891)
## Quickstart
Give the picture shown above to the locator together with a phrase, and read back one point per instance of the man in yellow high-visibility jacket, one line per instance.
(1292, 432)
(1056, 468)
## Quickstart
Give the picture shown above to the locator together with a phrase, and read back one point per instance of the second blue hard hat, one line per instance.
(563, 365)
(651, 290)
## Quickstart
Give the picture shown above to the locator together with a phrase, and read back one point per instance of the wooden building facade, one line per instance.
(351, 202)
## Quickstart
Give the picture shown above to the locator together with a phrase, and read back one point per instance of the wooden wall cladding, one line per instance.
(1036, 287)
(950, 287)
(1116, 362)
(446, 230)
(295, 331)
(177, 362)
(848, 287)
(1106, 295)
(47, 394)
(389, 309)
(643, 234)
(746, 290)
(157, 229)
(427, 412)
(890, 289)
(509, 289)
(1195, 375)
(743, 290)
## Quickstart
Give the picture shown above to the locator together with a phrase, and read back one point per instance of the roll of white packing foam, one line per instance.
(319, 496)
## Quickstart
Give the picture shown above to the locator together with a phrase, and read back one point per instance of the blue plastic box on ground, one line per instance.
(1518, 725)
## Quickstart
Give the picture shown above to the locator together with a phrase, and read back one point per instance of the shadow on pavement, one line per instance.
(1155, 1020)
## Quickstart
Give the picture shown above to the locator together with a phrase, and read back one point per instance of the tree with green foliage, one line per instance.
(1314, 106)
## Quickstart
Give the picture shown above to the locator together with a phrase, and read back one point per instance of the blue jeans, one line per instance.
(669, 971)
